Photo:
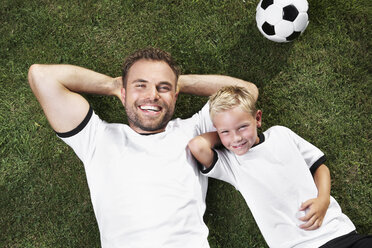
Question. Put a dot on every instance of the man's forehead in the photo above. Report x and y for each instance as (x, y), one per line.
(151, 68)
(151, 71)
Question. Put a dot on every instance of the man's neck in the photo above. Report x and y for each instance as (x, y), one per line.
(145, 132)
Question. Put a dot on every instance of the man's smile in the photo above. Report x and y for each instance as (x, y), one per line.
(150, 108)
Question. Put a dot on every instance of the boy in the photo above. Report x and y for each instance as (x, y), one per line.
(281, 176)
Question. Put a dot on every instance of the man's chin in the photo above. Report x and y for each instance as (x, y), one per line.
(148, 127)
(143, 123)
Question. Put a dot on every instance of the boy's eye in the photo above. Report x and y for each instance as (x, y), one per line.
(243, 127)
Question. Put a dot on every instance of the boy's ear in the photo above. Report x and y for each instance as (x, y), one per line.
(259, 118)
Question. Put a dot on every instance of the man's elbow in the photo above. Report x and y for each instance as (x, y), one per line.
(33, 73)
(253, 90)
(251, 87)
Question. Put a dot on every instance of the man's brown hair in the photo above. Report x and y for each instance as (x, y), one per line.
(149, 54)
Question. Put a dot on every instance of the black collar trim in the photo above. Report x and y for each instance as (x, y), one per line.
(261, 138)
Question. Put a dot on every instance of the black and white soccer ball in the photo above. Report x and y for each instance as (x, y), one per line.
(282, 20)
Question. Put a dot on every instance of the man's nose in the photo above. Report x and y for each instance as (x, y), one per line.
(153, 93)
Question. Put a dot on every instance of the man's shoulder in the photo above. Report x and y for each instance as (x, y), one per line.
(183, 123)
(105, 130)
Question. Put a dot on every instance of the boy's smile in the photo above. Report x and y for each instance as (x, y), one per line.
(237, 129)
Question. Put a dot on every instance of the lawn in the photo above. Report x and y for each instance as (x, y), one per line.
(319, 86)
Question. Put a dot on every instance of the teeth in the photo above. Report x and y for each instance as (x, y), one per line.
(151, 108)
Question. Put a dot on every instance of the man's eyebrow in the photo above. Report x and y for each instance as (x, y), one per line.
(167, 83)
(139, 81)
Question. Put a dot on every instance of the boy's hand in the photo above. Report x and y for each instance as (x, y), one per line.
(317, 209)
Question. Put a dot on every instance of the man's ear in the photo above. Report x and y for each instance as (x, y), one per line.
(259, 118)
(122, 98)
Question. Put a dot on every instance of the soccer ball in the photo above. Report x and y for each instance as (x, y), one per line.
(282, 20)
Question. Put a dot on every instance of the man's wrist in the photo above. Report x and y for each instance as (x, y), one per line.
(116, 86)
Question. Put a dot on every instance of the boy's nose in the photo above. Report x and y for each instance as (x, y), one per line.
(237, 137)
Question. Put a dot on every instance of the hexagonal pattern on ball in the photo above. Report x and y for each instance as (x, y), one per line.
(301, 22)
(265, 3)
(273, 14)
(290, 13)
(284, 28)
(282, 20)
(301, 5)
(282, 3)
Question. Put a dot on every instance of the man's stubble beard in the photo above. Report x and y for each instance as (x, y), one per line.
(149, 125)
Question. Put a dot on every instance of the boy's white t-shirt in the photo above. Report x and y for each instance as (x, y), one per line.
(146, 190)
(274, 178)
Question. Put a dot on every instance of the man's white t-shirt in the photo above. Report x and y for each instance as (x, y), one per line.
(274, 178)
(146, 190)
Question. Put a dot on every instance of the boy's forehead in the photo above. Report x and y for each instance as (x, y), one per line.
(231, 116)
(234, 111)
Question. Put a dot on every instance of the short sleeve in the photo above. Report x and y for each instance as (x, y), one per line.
(83, 138)
(204, 121)
(221, 168)
(312, 155)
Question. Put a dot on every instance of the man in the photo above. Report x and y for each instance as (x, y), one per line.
(145, 189)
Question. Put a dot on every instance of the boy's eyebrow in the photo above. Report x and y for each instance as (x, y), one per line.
(221, 130)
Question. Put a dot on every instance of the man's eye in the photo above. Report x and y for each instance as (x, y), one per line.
(140, 86)
(164, 88)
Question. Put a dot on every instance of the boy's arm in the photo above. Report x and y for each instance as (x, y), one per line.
(55, 88)
(206, 85)
(201, 147)
(318, 206)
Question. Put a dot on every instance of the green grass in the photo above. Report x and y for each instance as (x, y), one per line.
(320, 86)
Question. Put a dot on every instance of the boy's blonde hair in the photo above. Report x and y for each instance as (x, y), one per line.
(230, 97)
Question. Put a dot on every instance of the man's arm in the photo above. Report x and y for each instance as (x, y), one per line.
(201, 147)
(55, 88)
(318, 206)
(206, 85)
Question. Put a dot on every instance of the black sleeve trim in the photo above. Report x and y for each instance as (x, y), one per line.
(317, 163)
(201, 167)
(78, 128)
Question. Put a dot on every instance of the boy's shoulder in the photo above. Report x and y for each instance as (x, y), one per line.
(279, 134)
(278, 129)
